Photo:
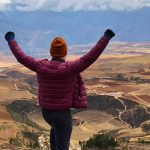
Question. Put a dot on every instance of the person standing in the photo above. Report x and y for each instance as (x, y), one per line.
(60, 84)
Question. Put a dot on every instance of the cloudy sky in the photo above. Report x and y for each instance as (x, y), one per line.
(73, 5)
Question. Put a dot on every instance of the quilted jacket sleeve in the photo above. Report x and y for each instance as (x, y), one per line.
(24, 59)
(85, 61)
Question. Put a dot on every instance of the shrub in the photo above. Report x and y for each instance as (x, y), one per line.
(143, 141)
(100, 140)
(146, 126)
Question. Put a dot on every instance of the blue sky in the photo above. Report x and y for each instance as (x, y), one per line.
(73, 5)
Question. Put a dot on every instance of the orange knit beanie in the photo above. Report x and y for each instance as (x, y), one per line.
(58, 48)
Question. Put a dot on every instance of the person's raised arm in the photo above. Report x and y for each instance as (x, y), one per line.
(85, 61)
(24, 59)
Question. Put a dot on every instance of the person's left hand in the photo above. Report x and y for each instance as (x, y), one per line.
(109, 33)
(9, 36)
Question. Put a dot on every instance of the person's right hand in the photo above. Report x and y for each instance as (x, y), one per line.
(9, 36)
(109, 34)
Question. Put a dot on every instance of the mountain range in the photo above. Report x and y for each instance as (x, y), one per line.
(34, 30)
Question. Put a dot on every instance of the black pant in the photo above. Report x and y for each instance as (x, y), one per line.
(61, 128)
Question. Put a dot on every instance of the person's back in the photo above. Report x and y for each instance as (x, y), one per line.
(60, 84)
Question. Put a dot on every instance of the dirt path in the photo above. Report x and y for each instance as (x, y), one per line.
(83, 128)
(120, 113)
(17, 89)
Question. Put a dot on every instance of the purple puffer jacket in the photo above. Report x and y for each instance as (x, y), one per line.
(60, 84)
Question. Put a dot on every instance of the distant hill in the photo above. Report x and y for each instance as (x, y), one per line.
(35, 30)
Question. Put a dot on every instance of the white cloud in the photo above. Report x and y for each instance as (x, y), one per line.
(5, 1)
(4, 4)
(73, 5)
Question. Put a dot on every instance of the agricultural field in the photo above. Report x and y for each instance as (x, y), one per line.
(117, 85)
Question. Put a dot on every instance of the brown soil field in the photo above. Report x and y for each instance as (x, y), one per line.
(4, 114)
(8, 127)
(146, 98)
